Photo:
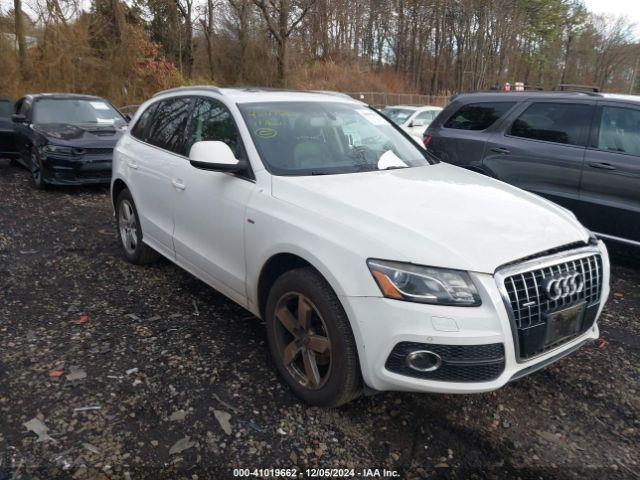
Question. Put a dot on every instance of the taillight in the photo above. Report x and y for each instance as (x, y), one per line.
(426, 139)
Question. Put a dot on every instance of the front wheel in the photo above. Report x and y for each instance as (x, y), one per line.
(130, 233)
(36, 174)
(310, 339)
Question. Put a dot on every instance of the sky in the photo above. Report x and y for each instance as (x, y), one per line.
(628, 8)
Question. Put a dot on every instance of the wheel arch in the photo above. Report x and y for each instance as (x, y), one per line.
(118, 186)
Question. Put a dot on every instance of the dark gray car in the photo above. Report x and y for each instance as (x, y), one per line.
(579, 150)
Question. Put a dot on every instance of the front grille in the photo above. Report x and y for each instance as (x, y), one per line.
(530, 303)
(98, 151)
(93, 174)
(460, 363)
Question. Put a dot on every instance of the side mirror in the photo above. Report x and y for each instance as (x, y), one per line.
(18, 118)
(418, 123)
(215, 156)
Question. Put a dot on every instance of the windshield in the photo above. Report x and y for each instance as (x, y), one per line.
(398, 115)
(6, 109)
(67, 110)
(312, 138)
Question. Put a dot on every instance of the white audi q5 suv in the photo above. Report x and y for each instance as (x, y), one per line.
(374, 265)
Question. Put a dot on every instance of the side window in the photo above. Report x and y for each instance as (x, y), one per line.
(423, 118)
(140, 129)
(167, 125)
(212, 121)
(478, 116)
(553, 122)
(619, 130)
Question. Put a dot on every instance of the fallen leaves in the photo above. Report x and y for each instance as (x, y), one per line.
(38, 427)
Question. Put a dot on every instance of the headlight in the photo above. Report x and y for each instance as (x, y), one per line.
(413, 283)
(57, 150)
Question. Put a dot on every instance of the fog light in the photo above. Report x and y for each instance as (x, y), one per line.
(423, 361)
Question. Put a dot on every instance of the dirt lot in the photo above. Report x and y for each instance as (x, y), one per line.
(157, 356)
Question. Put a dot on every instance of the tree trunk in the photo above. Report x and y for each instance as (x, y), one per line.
(22, 44)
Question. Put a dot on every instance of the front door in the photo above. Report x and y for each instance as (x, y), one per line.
(610, 189)
(541, 149)
(210, 207)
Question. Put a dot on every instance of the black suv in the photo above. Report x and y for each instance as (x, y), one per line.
(67, 139)
(580, 150)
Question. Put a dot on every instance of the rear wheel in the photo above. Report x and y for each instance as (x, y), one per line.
(130, 233)
(310, 339)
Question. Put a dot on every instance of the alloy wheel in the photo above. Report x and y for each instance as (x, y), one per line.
(128, 226)
(302, 340)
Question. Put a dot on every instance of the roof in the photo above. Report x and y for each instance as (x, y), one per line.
(506, 96)
(261, 94)
(64, 96)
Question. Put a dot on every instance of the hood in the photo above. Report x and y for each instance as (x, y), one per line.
(81, 134)
(437, 215)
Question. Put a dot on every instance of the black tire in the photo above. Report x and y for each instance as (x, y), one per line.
(342, 381)
(140, 253)
(36, 174)
(13, 162)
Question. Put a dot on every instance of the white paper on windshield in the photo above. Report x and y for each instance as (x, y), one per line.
(99, 105)
(106, 121)
(372, 116)
(390, 159)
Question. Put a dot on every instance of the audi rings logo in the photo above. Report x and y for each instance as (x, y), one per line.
(563, 285)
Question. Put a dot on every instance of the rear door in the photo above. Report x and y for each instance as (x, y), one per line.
(541, 148)
(151, 163)
(460, 132)
(610, 188)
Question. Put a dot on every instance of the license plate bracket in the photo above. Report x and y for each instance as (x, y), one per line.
(564, 323)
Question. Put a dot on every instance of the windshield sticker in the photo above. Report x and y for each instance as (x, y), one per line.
(267, 133)
(99, 105)
(372, 116)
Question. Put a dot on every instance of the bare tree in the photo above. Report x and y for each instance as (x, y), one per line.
(20, 37)
(282, 18)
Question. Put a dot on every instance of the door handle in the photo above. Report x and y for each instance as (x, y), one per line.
(602, 165)
(177, 183)
(500, 150)
(132, 164)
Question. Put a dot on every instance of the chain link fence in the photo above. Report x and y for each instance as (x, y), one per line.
(383, 99)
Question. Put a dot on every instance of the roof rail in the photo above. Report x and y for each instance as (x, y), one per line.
(209, 88)
(570, 87)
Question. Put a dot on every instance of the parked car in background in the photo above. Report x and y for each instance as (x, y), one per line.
(7, 138)
(67, 139)
(413, 120)
(581, 150)
(371, 263)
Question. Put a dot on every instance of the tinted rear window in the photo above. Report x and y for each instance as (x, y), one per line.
(478, 116)
(6, 109)
(553, 122)
(139, 130)
(167, 126)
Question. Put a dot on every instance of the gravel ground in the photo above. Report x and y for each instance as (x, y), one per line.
(128, 372)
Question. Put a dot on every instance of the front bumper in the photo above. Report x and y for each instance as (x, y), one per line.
(381, 324)
(77, 171)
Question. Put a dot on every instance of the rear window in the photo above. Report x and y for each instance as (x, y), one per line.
(478, 116)
(6, 109)
(553, 122)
